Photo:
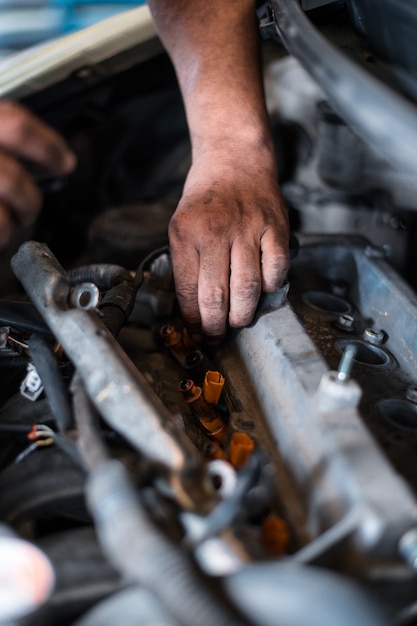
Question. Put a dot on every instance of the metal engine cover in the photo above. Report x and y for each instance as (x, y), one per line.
(348, 442)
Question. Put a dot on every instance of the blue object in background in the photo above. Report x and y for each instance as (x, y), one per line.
(28, 22)
(78, 15)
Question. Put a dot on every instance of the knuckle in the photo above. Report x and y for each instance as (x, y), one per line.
(245, 296)
(242, 315)
(214, 299)
(178, 228)
(9, 108)
(248, 291)
(279, 263)
(17, 122)
(174, 229)
(16, 179)
(187, 297)
(13, 179)
(276, 270)
(186, 292)
(239, 320)
(216, 226)
(17, 189)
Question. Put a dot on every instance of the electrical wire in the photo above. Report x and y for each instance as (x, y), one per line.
(10, 428)
(143, 266)
(44, 442)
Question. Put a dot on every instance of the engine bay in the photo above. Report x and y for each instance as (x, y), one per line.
(149, 479)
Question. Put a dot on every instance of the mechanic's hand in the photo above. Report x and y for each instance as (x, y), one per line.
(25, 138)
(229, 242)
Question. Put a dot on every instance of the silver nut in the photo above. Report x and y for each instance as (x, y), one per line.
(374, 337)
(345, 322)
(407, 547)
(411, 393)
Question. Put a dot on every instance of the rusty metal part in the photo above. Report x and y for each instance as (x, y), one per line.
(116, 388)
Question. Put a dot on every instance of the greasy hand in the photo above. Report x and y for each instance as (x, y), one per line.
(229, 242)
(25, 138)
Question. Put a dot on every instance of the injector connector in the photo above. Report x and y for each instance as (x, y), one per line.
(213, 387)
(241, 446)
(205, 412)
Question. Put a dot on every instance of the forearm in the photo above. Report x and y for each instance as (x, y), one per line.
(214, 48)
(228, 236)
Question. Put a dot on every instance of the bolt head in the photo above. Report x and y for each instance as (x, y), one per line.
(407, 547)
(345, 322)
(411, 393)
(374, 337)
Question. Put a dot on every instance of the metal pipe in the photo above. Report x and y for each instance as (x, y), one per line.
(116, 388)
(382, 118)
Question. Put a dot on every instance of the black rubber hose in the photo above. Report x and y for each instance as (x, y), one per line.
(20, 410)
(56, 391)
(103, 275)
(12, 428)
(113, 317)
(142, 553)
(23, 316)
(13, 361)
(118, 299)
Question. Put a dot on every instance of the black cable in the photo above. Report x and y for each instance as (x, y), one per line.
(139, 276)
(10, 428)
(15, 360)
(23, 316)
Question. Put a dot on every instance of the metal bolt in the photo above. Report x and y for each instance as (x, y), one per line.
(346, 364)
(407, 547)
(242, 422)
(373, 252)
(345, 322)
(85, 296)
(411, 393)
(374, 337)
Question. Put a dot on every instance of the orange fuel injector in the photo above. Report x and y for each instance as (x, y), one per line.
(180, 344)
(202, 407)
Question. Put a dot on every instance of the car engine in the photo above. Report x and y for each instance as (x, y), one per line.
(148, 479)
